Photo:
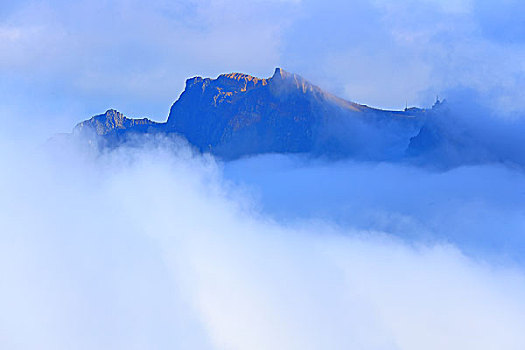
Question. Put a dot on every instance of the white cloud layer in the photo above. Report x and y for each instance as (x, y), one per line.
(142, 248)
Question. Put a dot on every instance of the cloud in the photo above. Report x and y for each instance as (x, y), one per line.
(384, 53)
(501, 23)
(476, 207)
(154, 247)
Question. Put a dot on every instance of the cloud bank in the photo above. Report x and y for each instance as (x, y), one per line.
(155, 248)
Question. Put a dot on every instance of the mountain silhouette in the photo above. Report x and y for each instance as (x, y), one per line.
(236, 115)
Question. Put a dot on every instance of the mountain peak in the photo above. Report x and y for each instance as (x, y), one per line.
(286, 79)
(280, 74)
(110, 121)
(113, 113)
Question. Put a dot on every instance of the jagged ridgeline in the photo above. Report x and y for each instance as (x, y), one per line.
(236, 115)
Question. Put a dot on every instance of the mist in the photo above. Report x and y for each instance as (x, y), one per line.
(160, 247)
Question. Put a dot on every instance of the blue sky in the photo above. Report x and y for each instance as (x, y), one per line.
(71, 60)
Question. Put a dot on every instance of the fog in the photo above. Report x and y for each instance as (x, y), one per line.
(479, 208)
(159, 247)
(462, 184)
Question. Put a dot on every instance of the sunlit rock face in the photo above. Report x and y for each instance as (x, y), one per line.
(237, 114)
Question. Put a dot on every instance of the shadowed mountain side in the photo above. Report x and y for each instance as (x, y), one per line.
(236, 115)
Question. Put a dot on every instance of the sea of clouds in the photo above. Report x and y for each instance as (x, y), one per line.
(158, 247)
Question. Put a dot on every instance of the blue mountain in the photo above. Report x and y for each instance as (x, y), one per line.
(236, 115)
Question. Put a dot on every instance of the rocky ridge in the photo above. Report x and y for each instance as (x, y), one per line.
(236, 115)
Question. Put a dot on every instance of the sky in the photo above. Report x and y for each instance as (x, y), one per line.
(72, 60)
(160, 247)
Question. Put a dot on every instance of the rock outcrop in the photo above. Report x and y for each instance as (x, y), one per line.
(112, 121)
